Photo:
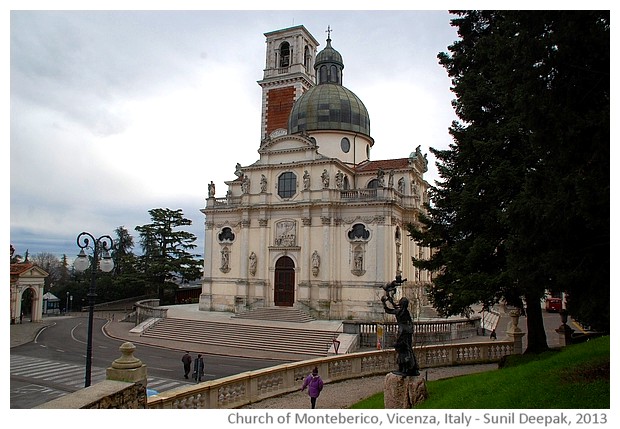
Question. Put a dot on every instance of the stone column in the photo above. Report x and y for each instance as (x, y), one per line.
(515, 333)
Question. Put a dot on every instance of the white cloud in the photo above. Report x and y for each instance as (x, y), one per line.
(115, 113)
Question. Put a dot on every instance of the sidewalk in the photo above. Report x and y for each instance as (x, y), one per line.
(22, 333)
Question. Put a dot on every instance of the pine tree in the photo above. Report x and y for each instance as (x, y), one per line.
(522, 204)
(166, 260)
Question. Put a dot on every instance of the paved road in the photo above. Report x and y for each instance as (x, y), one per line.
(48, 361)
(35, 380)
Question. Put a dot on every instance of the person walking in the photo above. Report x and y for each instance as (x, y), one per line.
(187, 363)
(314, 383)
(199, 368)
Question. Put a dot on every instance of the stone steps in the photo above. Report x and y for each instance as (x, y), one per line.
(277, 340)
(281, 314)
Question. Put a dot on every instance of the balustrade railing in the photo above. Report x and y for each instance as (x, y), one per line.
(253, 386)
(425, 332)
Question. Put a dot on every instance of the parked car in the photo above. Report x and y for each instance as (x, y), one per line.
(553, 305)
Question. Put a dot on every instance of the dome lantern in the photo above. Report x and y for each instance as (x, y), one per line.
(329, 105)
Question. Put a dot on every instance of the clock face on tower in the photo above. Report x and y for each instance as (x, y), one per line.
(345, 145)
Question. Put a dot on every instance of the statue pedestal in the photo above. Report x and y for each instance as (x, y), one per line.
(403, 392)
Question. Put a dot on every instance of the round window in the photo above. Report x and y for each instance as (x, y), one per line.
(345, 145)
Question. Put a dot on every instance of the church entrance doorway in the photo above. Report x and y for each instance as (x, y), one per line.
(284, 291)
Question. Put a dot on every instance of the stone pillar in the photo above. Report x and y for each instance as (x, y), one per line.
(565, 332)
(403, 392)
(515, 333)
(127, 367)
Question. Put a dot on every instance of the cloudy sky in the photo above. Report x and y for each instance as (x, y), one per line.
(113, 113)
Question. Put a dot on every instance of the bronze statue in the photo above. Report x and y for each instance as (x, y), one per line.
(407, 363)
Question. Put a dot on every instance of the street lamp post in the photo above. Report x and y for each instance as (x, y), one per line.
(105, 264)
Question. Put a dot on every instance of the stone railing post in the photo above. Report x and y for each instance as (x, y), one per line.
(127, 367)
(565, 332)
(515, 333)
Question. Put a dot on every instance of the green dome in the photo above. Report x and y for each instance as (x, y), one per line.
(329, 106)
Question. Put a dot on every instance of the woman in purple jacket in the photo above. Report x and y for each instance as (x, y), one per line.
(314, 384)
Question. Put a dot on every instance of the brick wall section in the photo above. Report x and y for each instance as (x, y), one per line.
(279, 104)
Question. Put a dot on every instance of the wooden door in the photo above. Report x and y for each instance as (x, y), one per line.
(284, 282)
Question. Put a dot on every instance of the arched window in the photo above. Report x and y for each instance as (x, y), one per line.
(307, 59)
(285, 54)
(333, 74)
(373, 184)
(287, 185)
(323, 74)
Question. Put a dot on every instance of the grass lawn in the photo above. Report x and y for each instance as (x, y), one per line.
(573, 377)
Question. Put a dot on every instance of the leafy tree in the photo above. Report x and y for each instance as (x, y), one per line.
(522, 206)
(165, 259)
(52, 265)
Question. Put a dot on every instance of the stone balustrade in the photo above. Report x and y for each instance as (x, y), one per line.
(253, 386)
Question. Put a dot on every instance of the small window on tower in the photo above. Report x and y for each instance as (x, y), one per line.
(307, 58)
(285, 54)
(323, 74)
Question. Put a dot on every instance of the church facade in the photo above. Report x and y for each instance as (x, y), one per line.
(314, 223)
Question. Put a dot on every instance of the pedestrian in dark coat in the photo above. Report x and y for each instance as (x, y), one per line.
(187, 363)
(314, 383)
(199, 368)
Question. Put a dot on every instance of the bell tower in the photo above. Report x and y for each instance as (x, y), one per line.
(289, 72)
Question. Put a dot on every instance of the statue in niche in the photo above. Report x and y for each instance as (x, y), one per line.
(358, 261)
(211, 189)
(401, 185)
(263, 183)
(245, 185)
(325, 178)
(253, 263)
(225, 267)
(407, 363)
(306, 180)
(316, 262)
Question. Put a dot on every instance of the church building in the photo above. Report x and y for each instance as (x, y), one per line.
(314, 223)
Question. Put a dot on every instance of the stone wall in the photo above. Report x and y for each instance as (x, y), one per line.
(107, 394)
